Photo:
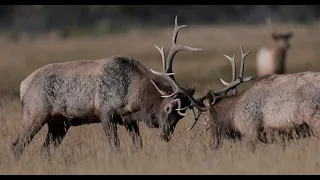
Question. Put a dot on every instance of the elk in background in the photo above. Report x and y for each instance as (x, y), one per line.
(272, 59)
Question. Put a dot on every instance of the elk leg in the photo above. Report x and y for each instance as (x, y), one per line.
(284, 139)
(263, 137)
(32, 123)
(57, 130)
(251, 140)
(304, 130)
(268, 136)
(271, 136)
(315, 132)
(110, 128)
(215, 142)
(134, 132)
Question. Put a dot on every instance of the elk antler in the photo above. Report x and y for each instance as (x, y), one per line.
(232, 85)
(167, 65)
(223, 92)
(164, 66)
(233, 64)
(174, 49)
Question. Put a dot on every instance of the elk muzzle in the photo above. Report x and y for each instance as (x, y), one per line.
(166, 133)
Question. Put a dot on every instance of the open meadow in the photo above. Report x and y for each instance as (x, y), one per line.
(85, 149)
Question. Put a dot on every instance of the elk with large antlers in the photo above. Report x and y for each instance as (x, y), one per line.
(115, 90)
(274, 102)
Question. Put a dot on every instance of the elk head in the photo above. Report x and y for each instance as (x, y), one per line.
(170, 111)
(282, 40)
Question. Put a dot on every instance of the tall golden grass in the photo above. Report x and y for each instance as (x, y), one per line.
(85, 149)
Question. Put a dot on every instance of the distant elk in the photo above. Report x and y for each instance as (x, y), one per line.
(275, 102)
(271, 60)
(115, 90)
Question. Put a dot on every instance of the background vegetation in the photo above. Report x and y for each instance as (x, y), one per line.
(101, 19)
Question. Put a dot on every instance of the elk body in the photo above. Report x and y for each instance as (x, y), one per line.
(271, 60)
(274, 102)
(115, 90)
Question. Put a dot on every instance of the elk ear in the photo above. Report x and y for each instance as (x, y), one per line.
(191, 91)
(206, 102)
(156, 85)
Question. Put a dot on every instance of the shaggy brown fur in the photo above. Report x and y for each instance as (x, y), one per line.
(115, 90)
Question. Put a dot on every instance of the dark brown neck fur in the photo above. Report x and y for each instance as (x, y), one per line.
(279, 58)
(150, 99)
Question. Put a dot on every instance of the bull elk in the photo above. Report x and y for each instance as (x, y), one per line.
(271, 60)
(274, 102)
(115, 90)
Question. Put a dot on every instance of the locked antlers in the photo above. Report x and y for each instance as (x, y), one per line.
(222, 93)
(198, 103)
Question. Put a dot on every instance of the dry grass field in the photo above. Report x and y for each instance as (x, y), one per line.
(85, 149)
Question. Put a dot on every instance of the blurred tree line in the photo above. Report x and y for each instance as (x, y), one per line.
(68, 19)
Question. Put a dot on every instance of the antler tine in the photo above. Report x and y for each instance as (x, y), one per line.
(176, 30)
(234, 71)
(162, 57)
(159, 90)
(177, 89)
(233, 64)
(196, 120)
(160, 73)
(196, 116)
(243, 58)
(163, 65)
(175, 47)
(179, 108)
